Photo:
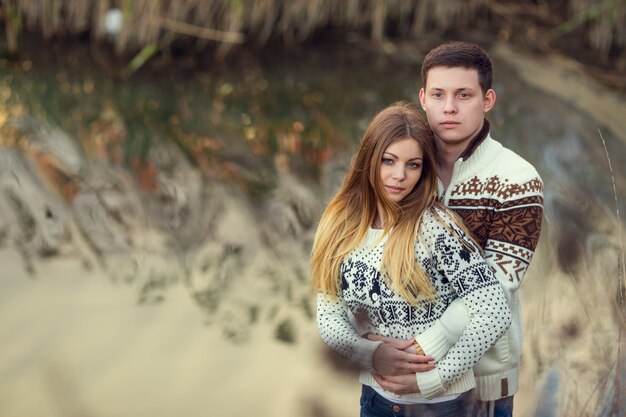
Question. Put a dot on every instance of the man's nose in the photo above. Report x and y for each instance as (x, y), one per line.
(449, 105)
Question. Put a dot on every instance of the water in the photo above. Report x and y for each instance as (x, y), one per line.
(180, 205)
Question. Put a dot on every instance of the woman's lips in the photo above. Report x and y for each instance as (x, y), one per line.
(394, 189)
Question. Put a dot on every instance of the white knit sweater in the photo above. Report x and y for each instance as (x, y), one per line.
(368, 305)
(500, 197)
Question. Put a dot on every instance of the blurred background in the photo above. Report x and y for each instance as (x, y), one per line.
(163, 165)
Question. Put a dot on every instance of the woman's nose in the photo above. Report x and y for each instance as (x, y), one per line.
(398, 174)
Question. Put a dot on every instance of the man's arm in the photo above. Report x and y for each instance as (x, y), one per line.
(512, 237)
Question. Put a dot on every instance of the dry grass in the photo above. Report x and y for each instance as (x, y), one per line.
(604, 21)
(230, 22)
(147, 21)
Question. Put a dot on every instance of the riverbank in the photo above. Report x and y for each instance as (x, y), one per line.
(194, 298)
(567, 79)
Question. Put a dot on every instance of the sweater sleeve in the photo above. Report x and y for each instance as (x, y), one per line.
(339, 334)
(444, 333)
(474, 283)
(513, 234)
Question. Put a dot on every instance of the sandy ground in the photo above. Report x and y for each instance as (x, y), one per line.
(76, 344)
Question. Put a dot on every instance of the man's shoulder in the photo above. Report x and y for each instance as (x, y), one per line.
(498, 174)
(509, 165)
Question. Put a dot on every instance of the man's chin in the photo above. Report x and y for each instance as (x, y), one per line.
(449, 139)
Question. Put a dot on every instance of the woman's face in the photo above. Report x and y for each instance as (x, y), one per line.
(401, 168)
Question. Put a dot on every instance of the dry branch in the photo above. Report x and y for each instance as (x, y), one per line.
(202, 32)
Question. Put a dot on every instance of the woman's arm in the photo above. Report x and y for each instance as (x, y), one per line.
(472, 281)
(445, 332)
(339, 333)
(510, 270)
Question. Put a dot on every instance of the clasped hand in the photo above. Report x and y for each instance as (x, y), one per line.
(396, 363)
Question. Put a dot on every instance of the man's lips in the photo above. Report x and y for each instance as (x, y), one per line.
(449, 123)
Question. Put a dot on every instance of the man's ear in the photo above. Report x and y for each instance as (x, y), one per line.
(489, 100)
(422, 99)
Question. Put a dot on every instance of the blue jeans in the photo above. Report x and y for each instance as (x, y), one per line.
(498, 408)
(375, 405)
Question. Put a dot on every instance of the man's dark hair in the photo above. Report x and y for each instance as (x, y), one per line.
(460, 54)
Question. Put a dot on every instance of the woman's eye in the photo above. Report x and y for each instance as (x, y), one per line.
(414, 165)
(387, 161)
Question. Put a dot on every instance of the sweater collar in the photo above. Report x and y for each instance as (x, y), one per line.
(374, 237)
(478, 139)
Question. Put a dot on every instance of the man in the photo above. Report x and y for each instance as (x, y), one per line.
(498, 194)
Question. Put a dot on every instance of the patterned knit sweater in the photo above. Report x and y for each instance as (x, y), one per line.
(367, 304)
(500, 198)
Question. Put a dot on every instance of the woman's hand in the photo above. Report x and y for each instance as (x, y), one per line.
(401, 384)
(393, 357)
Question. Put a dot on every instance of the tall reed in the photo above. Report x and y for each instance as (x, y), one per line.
(613, 404)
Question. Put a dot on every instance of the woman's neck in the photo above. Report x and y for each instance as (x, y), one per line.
(379, 222)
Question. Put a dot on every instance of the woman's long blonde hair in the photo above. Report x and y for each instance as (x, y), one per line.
(345, 222)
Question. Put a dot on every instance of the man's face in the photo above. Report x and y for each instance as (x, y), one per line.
(455, 105)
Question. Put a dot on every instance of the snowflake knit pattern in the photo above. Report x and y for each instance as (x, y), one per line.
(368, 305)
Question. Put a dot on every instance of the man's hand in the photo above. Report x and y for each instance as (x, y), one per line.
(394, 357)
(397, 343)
(401, 384)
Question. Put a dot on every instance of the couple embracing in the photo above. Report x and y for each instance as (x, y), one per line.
(418, 258)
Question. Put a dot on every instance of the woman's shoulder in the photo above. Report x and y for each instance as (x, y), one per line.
(439, 222)
(438, 216)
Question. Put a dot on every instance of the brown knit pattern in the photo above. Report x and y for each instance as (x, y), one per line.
(520, 226)
(511, 261)
(496, 187)
(509, 230)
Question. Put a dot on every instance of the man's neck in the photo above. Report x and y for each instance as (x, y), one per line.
(446, 157)
(448, 154)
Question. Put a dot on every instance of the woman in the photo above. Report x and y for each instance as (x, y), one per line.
(388, 260)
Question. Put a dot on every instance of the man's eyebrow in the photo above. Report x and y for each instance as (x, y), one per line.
(456, 89)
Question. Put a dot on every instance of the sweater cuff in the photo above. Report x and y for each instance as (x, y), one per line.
(429, 383)
(434, 341)
(445, 332)
(363, 353)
